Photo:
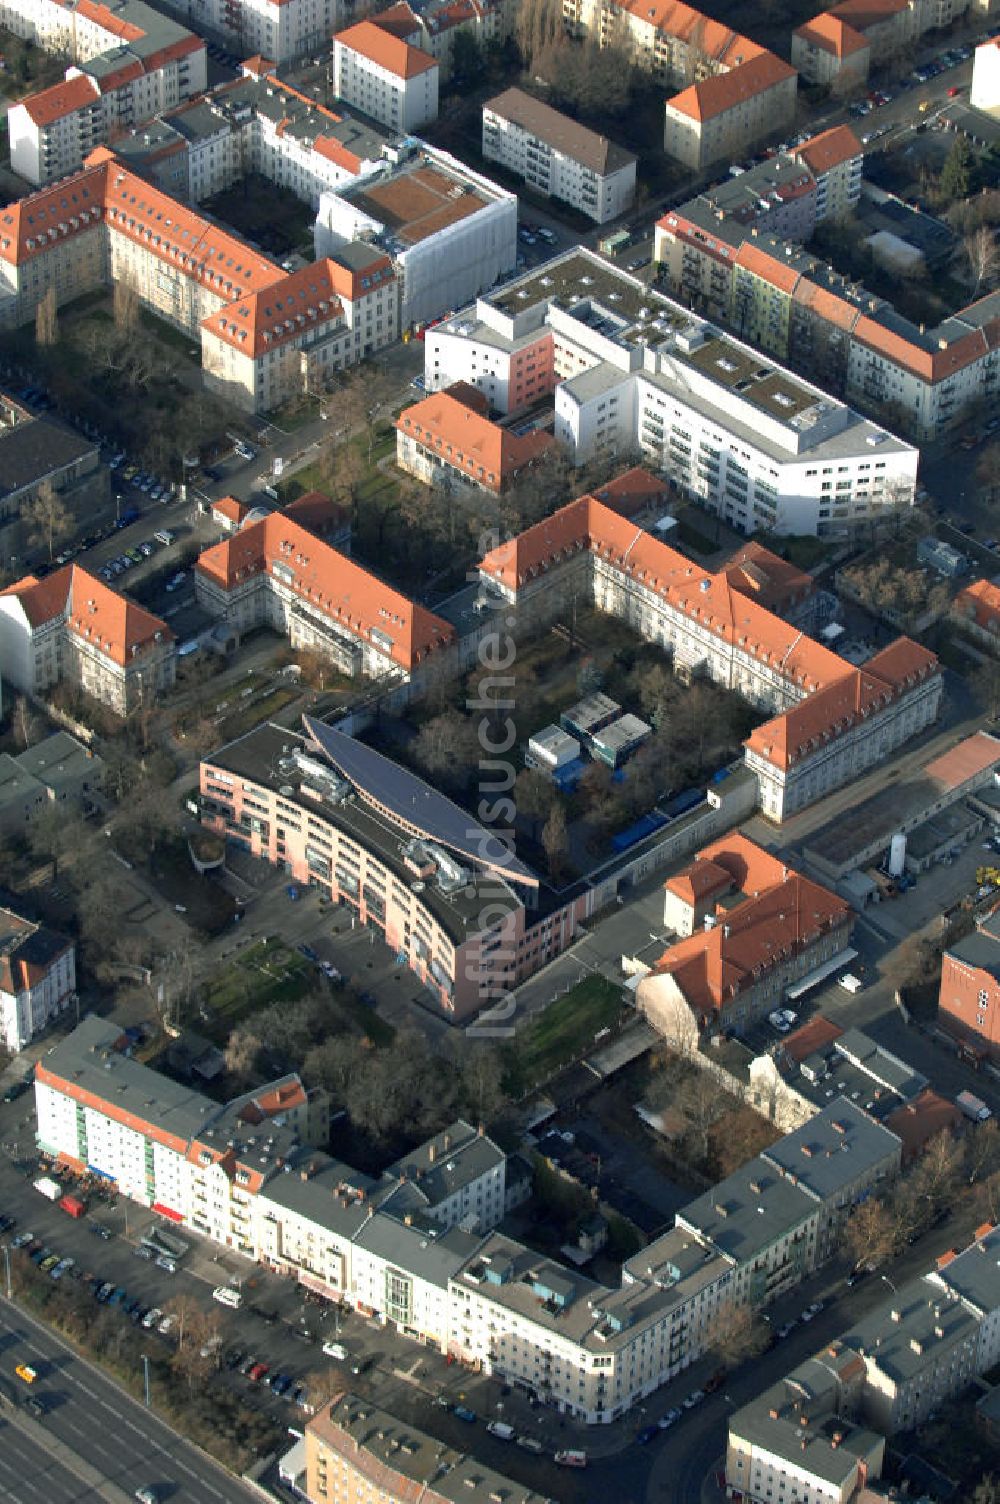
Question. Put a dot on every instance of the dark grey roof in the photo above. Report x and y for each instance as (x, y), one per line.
(325, 1191)
(89, 1060)
(975, 1273)
(795, 1420)
(416, 805)
(835, 1149)
(453, 1158)
(978, 949)
(901, 1335)
(433, 1257)
(30, 451)
(887, 1069)
(748, 1211)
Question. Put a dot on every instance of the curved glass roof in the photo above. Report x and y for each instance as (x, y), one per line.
(415, 803)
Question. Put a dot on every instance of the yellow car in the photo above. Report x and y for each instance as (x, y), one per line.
(27, 1374)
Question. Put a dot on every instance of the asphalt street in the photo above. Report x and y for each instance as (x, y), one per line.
(103, 1425)
(28, 1472)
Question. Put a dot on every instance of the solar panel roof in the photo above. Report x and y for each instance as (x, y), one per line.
(412, 802)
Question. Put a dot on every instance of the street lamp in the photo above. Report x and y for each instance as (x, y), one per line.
(6, 1259)
(887, 1281)
(145, 1376)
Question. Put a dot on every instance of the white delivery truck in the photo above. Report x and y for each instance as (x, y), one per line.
(50, 1189)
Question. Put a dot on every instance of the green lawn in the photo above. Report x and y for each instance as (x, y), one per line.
(263, 974)
(257, 712)
(564, 1032)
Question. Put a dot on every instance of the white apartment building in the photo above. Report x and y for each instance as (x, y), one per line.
(451, 233)
(974, 1276)
(557, 156)
(385, 77)
(631, 371)
(794, 1441)
(259, 123)
(281, 30)
(51, 132)
(128, 63)
(37, 978)
(243, 1176)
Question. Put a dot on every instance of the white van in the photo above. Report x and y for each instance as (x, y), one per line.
(335, 1350)
(227, 1296)
(850, 982)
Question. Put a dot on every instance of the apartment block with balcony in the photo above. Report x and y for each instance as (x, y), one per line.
(128, 63)
(557, 156)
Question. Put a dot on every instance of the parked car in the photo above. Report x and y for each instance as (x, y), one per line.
(671, 1418)
(694, 1398)
(464, 1413)
(646, 1435)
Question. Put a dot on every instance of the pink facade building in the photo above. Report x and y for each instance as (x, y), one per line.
(445, 893)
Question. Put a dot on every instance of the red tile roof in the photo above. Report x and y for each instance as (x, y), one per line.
(706, 598)
(917, 1122)
(829, 149)
(50, 105)
(783, 914)
(385, 49)
(698, 881)
(979, 602)
(861, 14)
(491, 456)
(771, 269)
(331, 583)
(727, 91)
(815, 1035)
(293, 305)
(92, 611)
(832, 34)
(231, 508)
(835, 694)
(772, 581)
(635, 491)
(976, 754)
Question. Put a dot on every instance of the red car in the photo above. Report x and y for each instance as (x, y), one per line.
(953, 91)
(257, 1372)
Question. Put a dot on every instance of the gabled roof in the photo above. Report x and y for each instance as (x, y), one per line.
(707, 598)
(382, 47)
(490, 455)
(92, 611)
(329, 583)
(832, 34)
(782, 914)
(765, 577)
(231, 508)
(727, 91)
(770, 269)
(829, 149)
(561, 132)
(979, 602)
(62, 99)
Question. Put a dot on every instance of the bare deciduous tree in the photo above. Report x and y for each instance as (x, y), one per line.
(736, 1334)
(47, 517)
(982, 253)
(555, 842)
(126, 307)
(47, 320)
(871, 1234)
(25, 721)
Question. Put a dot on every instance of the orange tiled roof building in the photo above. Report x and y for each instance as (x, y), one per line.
(733, 91)
(275, 572)
(750, 926)
(265, 333)
(830, 721)
(73, 626)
